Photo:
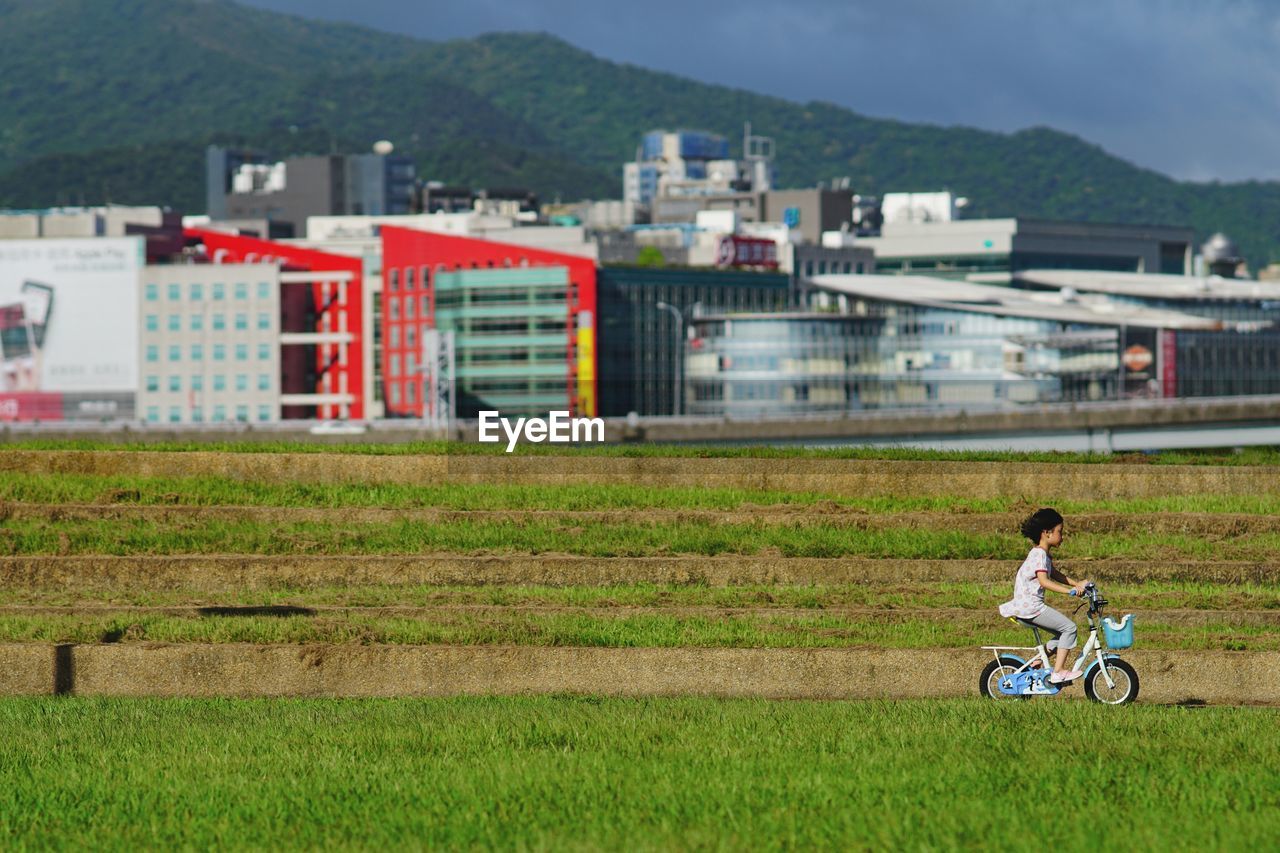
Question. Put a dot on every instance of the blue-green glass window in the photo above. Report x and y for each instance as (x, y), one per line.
(197, 382)
(197, 291)
(153, 352)
(175, 292)
(264, 381)
(242, 413)
(219, 352)
(175, 414)
(242, 352)
(219, 382)
(197, 414)
(242, 290)
(175, 322)
(197, 352)
(175, 382)
(219, 291)
(264, 352)
(153, 383)
(264, 412)
(264, 290)
(153, 292)
(153, 322)
(242, 382)
(197, 322)
(264, 321)
(175, 352)
(153, 414)
(219, 413)
(242, 322)
(219, 322)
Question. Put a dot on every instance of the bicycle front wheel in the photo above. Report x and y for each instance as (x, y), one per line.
(1125, 678)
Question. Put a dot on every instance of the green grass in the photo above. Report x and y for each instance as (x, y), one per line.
(984, 597)
(594, 539)
(1243, 456)
(218, 491)
(623, 630)
(544, 773)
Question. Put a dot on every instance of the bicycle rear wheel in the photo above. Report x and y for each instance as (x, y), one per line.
(1125, 678)
(989, 681)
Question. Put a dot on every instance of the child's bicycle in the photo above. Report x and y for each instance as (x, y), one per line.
(1106, 678)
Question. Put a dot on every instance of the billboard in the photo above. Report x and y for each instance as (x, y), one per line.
(69, 316)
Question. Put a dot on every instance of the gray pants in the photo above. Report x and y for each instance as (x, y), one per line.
(1062, 628)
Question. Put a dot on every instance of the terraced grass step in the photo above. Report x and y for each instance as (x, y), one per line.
(1045, 481)
(232, 572)
(1215, 525)
(608, 627)
(136, 669)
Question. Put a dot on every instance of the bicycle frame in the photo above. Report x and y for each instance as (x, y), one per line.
(1092, 647)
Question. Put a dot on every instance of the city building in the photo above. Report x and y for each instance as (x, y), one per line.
(319, 323)
(645, 314)
(523, 323)
(242, 186)
(209, 343)
(956, 248)
(874, 341)
(692, 164)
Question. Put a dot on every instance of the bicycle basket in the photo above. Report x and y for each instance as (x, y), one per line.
(1119, 634)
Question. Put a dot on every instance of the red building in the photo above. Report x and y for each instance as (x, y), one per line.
(322, 371)
(412, 259)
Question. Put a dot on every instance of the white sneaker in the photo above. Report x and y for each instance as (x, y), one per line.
(1061, 677)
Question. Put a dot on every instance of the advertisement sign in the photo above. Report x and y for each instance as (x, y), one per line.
(735, 251)
(69, 315)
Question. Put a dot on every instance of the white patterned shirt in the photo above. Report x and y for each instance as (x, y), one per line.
(1028, 595)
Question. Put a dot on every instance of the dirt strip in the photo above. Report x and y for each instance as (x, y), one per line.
(220, 573)
(824, 514)
(1035, 482)
(1182, 617)
(138, 669)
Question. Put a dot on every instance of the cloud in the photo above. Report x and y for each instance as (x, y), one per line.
(1189, 89)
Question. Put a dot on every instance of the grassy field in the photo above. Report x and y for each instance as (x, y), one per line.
(220, 491)
(1241, 456)
(582, 773)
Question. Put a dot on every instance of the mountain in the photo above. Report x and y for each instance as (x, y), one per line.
(116, 99)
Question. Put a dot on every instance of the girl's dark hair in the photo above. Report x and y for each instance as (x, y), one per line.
(1040, 521)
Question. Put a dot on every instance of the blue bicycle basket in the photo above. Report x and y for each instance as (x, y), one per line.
(1119, 634)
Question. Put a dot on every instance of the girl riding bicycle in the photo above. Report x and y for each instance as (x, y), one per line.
(1035, 575)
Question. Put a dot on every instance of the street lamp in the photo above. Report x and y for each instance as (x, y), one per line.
(678, 382)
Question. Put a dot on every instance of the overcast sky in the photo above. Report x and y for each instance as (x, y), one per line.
(1188, 88)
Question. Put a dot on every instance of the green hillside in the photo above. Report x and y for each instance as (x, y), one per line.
(115, 100)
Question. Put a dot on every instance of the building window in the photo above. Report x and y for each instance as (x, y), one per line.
(197, 322)
(393, 337)
(408, 278)
(197, 352)
(264, 321)
(264, 381)
(426, 306)
(175, 322)
(153, 292)
(242, 322)
(219, 414)
(175, 382)
(153, 383)
(153, 414)
(219, 382)
(395, 309)
(197, 382)
(394, 366)
(197, 414)
(175, 292)
(175, 352)
(264, 352)
(264, 290)
(242, 290)
(242, 413)
(242, 352)
(219, 352)
(411, 392)
(411, 336)
(219, 291)
(197, 292)
(393, 393)
(153, 323)
(242, 382)
(410, 364)
(175, 414)
(264, 412)
(219, 322)
(393, 280)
